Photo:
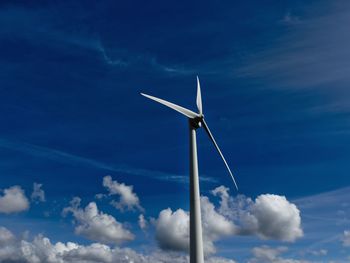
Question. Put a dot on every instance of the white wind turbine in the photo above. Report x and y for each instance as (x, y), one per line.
(196, 120)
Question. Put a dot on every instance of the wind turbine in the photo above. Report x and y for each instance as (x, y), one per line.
(195, 121)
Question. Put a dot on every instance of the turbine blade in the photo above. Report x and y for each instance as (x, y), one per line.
(218, 149)
(190, 114)
(199, 98)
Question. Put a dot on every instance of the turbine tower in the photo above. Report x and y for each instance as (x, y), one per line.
(195, 121)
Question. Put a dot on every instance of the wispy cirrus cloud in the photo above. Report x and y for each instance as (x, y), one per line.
(115, 56)
(311, 53)
(329, 211)
(64, 157)
(27, 24)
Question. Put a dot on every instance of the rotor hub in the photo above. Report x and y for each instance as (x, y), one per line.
(196, 122)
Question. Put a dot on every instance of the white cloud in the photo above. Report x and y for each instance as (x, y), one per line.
(222, 192)
(97, 226)
(100, 196)
(215, 226)
(41, 250)
(269, 216)
(93, 253)
(38, 194)
(219, 260)
(5, 236)
(267, 254)
(128, 199)
(275, 218)
(321, 252)
(13, 200)
(172, 228)
(346, 238)
(142, 222)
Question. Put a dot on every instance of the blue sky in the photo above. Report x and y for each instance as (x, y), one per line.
(274, 78)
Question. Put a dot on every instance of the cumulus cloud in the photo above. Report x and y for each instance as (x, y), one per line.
(267, 254)
(38, 194)
(274, 217)
(42, 250)
(268, 216)
(172, 228)
(13, 200)
(127, 198)
(215, 225)
(96, 225)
